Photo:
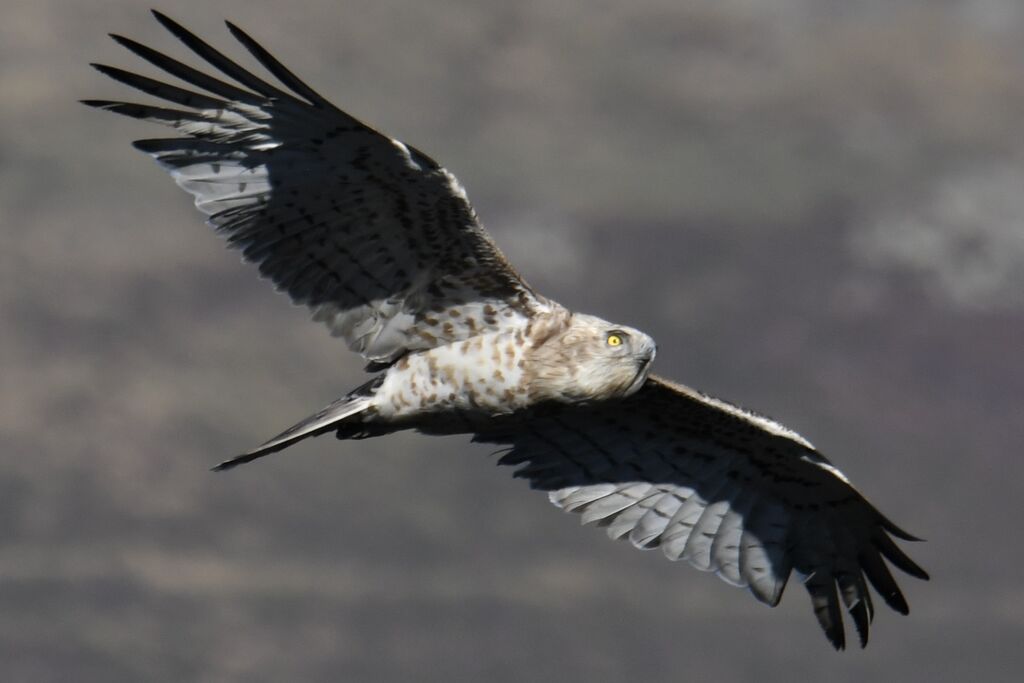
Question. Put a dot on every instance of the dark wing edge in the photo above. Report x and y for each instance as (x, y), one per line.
(729, 491)
(375, 237)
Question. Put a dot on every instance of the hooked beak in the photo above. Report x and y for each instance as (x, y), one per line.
(643, 366)
(645, 360)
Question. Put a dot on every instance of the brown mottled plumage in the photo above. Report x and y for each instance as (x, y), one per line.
(382, 244)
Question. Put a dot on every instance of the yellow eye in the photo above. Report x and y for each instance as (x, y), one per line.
(614, 340)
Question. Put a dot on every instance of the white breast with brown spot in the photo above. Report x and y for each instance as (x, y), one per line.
(484, 373)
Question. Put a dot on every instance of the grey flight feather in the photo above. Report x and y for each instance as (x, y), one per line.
(372, 235)
(672, 469)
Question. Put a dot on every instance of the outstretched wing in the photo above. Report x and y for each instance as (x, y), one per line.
(726, 490)
(373, 235)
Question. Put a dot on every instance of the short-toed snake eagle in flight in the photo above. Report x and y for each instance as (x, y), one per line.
(382, 244)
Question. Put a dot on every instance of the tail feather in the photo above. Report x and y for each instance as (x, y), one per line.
(326, 420)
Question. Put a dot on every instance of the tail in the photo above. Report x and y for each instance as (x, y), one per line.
(328, 419)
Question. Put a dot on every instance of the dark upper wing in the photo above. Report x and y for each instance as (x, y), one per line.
(373, 235)
(729, 491)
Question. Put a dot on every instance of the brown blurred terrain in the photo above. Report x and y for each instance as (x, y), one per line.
(815, 207)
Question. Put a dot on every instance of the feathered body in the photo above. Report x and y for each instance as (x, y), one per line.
(555, 356)
(381, 243)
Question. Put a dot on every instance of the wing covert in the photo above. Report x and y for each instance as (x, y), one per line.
(374, 236)
(726, 490)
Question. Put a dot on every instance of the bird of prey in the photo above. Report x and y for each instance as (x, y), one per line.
(381, 243)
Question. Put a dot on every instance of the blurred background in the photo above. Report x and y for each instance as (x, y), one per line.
(815, 206)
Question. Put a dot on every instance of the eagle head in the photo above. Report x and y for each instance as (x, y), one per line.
(590, 359)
